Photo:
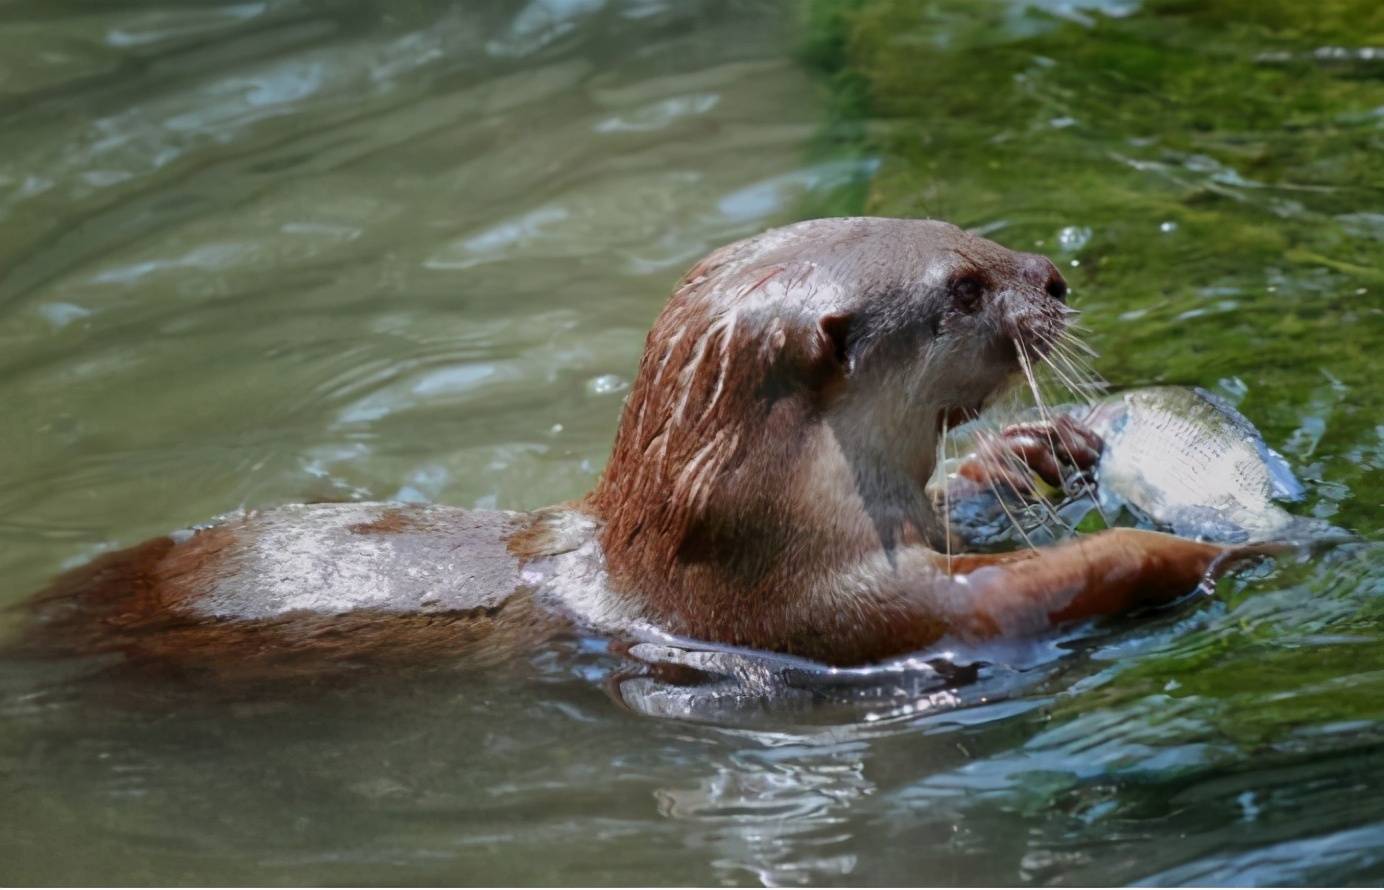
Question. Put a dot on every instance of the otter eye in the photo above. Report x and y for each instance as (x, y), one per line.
(967, 293)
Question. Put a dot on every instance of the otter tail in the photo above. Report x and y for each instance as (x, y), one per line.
(90, 609)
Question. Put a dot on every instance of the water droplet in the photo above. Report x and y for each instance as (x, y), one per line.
(1073, 237)
(1233, 387)
(606, 384)
(1167, 226)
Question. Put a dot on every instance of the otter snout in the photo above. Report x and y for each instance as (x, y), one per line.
(1034, 306)
(1040, 272)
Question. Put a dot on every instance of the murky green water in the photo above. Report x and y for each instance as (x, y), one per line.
(272, 251)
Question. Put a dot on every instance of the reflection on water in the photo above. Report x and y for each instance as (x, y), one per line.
(777, 814)
(259, 252)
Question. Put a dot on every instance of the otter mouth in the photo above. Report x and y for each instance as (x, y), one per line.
(1036, 348)
(957, 416)
(953, 417)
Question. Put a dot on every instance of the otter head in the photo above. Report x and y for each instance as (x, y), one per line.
(787, 408)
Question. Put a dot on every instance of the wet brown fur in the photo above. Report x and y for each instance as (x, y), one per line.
(133, 603)
(391, 522)
(685, 488)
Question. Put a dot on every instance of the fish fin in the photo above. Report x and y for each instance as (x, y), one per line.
(1207, 524)
(1306, 531)
(1285, 486)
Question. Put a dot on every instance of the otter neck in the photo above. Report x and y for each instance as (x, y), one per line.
(870, 479)
(799, 505)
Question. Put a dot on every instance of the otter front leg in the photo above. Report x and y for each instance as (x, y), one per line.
(1010, 594)
(888, 606)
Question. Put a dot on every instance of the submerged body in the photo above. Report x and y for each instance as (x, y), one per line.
(766, 490)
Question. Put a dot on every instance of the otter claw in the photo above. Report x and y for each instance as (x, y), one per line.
(1049, 450)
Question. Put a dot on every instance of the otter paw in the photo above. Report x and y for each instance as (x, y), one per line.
(1056, 452)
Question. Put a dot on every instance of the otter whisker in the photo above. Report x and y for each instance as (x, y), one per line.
(1079, 376)
(1015, 523)
(1077, 386)
(1082, 385)
(1087, 386)
(1073, 344)
(1027, 366)
(1075, 341)
(1086, 486)
(1070, 347)
(1038, 508)
(946, 496)
(1069, 380)
(1070, 314)
(993, 451)
(1083, 381)
(1057, 434)
(988, 449)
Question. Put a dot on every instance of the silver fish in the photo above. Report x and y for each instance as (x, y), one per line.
(1190, 463)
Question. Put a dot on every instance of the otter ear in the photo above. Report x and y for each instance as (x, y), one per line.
(834, 336)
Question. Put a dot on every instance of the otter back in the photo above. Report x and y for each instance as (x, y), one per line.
(321, 579)
(334, 558)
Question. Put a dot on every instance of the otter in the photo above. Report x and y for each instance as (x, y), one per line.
(768, 488)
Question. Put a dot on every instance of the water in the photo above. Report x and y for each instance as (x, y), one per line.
(271, 251)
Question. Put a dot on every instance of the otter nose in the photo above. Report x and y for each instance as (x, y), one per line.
(1040, 272)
